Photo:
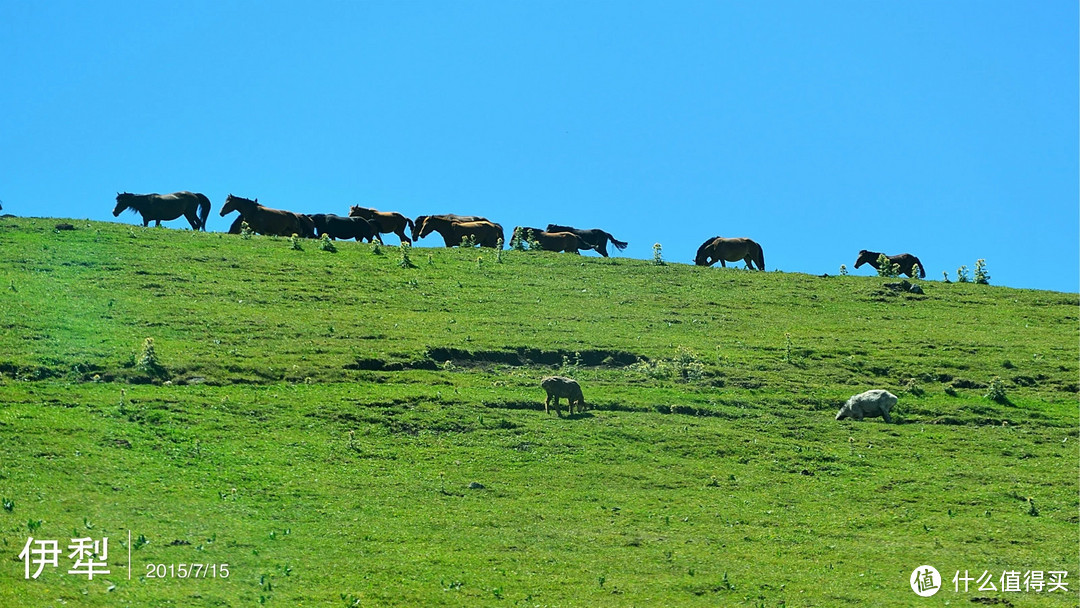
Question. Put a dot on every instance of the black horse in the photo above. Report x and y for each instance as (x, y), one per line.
(905, 261)
(449, 217)
(595, 238)
(163, 207)
(344, 227)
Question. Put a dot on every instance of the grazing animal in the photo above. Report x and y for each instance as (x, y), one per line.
(483, 233)
(164, 207)
(719, 249)
(384, 221)
(595, 238)
(450, 217)
(552, 241)
(264, 220)
(871, 404)
(344, 227)
(561, 386)
(905, 261)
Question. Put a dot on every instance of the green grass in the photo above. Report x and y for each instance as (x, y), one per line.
(344, 431)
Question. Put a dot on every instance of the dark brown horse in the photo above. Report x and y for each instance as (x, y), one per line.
(164, 207)
(485, 234)
(595, 238)
(338, 227)
(273, 222)
(385, 221)
(905, 261)
(552, 241)
(450, 217)
(719, 249)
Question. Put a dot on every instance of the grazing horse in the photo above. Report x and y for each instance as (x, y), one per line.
(552, 241)
(485, 234)
(163, 207)
(719, 249)
(264, 220)
(344, 227)
(595, 238)
(905, 261)
(450, 217)
(384, 221)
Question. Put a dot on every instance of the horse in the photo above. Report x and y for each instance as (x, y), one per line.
(485, 234)
(444, 216)
(719, 249)
(384, 221)
(595, 238)
(552, 241)
(164, 207)
(264, 220)
(905, 261)
(344, 227)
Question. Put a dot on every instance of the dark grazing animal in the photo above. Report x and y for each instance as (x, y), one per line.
(552, 241)
(164, 207)
(905, 261)
(719, 249)
(483, 233)
(264, 220)
(419, 221)
(561, 386)
(384, 221)
(338, 227)
(595, 238)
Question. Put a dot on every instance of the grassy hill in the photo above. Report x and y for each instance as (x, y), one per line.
(345, 431)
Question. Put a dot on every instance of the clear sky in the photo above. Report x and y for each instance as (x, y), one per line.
(948, 129)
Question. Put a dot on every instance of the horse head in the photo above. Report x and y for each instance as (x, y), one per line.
(702, 257)
(867, 257)
(238, 203)
(123, 201)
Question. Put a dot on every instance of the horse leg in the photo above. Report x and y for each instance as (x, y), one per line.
(192, 219)
(602, 248)
(400, 232)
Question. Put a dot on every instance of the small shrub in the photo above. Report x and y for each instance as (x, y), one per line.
(516, 242)
(843, 270)
(886, 269)
(916, 271)
(148, 362)
(498, 250)
(912, 388)
(376, 247)
(468, 241)
(326, 244)
(997, 391)
(945, 276)
(294, 243)
(981, 276)
(245, 230)
(405, 261)
(962, 275)
(658, 255)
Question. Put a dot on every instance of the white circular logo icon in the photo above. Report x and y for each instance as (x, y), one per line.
(925, 581)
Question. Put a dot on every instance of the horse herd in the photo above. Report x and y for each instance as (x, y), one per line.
(366, 224)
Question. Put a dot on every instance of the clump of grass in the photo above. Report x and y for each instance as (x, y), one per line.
(245, 230)
(376, 247)
(294, 242)
(326, 244)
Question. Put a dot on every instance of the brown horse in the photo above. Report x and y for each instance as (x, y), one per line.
(905, 261)
(552, 241)
(485, 234)
(164, 207)
(264, 220)
(719, 249)
(594, 237)
(384, 221)
(450, 217)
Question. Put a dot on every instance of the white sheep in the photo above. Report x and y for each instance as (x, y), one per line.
(871, 404)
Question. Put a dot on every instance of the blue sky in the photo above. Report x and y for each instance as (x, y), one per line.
(945, 129)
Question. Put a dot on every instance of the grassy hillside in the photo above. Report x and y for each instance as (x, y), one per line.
(344, 431)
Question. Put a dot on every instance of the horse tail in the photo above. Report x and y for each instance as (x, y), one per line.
(760, 256)
(204, 210)
(620, 245)
(409, 223)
